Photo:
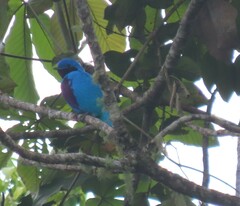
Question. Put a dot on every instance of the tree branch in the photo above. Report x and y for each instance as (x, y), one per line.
(182, 120)
(50, 134)
(55, 114)
(150, 37)
(123, 137)
(205, 146)
(140, 163)
(210, 132)
(69, 158)
(64, 167)
(173, 54)
(183, 186)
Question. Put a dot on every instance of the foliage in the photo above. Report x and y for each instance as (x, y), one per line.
(122, 28)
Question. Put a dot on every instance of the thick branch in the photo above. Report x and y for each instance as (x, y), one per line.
(64, 167)
(70, 158)
(55, 114)
(143, 165)
(50, 134)
(183, 186)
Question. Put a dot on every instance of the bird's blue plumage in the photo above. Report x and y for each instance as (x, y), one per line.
(79, 90)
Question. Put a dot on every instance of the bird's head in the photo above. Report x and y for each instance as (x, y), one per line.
(68, 65)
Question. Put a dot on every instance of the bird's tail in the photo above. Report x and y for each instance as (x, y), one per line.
(105, 117)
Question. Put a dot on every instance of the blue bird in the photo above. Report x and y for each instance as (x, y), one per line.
(79, 90)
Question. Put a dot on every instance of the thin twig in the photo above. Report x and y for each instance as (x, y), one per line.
(210, 132)
(70, 188)
(197, 170)
(205, 145)
(184, 119)
(151, 36)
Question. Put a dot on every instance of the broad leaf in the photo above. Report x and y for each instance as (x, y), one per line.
(36, 7)
(219, 73)
(43, 44)
(4, 157)
(7, 85)
(30, 176)
(115, 41)
(19, 43)
(160, 4)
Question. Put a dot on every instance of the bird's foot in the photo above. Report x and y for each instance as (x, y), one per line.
(82, 116)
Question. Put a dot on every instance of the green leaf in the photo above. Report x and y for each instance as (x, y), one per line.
(97, 201)
(195, 96)
(123, 13)
(19, 191)
(60, 30)
(59, 43)
(162, 192)
(140, 199)
(43, 44)
(178, 200)
(118, 63)
(145, 184)
(194, 50)
(236, 75)
(106, 187)
(5, 18)
(138, 25)
(189, 136)
(7, 9)
(29, 176)
(209, 71)
(146, 68)
(148, 65)
(14, 5)
(225, 82)
(236, 4)
(115, 41)
(19, 43)
(178, 12)
(153, 19)
(75, 23)
(189, 95)
(219, 73)
(167, 32)
(160, 4)
(38, 6)
(52, 124)
(4, 157)
(187, 69)
(7, 85)
(8, 171)
(54, 102)
(52, 182)
(26, 201)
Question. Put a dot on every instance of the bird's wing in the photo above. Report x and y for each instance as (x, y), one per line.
(68, 94)
(87, 94)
